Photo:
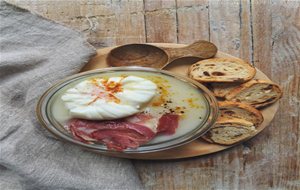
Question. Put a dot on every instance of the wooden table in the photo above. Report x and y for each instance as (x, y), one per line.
(265, 33)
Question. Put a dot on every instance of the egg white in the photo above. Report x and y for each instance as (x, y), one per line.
(83, 100)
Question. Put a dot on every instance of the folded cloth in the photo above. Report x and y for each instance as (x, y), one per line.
(36, 53)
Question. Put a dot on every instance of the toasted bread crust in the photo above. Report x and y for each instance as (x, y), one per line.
(216, 73)
(221, 89)
(256, 116)
(230, 123)
(232, 95)
(224, 120)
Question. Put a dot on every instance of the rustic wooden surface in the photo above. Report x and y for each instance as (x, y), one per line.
(265, 33)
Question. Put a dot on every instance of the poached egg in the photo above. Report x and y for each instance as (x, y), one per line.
(112, 98)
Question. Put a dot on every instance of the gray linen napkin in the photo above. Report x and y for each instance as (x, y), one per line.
(35, 53)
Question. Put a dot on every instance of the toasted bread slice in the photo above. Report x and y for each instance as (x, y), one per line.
(222, 70)
(258, 93)
(221, 89)
(239, 110)
(230, 131)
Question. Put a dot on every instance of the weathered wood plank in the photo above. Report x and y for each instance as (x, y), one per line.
(160, 21)
(276, 37)
(246, 44)
(230, 27)
(192, 21)
(262, 33)
(104, 23)
(225, 26)
(152, 5)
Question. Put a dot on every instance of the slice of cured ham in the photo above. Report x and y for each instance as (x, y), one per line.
(125, 133)
(167, 124)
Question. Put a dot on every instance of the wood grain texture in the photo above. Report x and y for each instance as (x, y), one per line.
(265, 33)
(192, 20)
(277, 52)
(261, 17)
(160, 21)
(103, 23)
(225, 25)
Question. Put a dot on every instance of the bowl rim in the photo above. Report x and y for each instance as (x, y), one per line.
(41, 111)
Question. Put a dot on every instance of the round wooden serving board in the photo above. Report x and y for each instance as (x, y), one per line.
(195, 148)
